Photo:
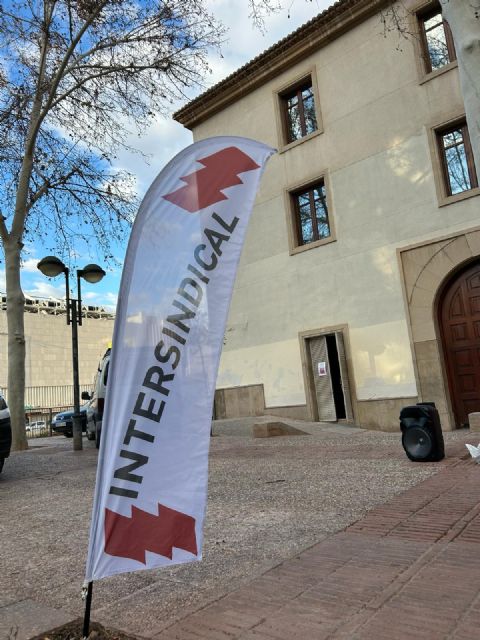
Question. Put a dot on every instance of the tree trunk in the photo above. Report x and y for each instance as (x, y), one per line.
(16, 345)
(465, 26)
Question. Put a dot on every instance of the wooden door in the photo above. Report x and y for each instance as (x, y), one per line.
(459, 316)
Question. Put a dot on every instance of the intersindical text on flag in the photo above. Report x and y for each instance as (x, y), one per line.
(173, 303)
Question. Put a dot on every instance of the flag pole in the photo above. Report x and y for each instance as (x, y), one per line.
(87, 596)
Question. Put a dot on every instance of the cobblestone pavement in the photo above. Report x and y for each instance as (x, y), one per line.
(373, 524)
(410, 569)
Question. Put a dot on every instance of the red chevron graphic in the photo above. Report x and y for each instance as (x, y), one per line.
(132, 537)
(204, 187)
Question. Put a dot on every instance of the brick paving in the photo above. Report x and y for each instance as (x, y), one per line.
(410, 569)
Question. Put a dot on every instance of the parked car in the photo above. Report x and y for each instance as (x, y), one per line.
(63, 422)
(5, 432)
(97, 400)
(36, 428)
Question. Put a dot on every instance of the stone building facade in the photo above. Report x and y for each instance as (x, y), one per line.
(49, 349)
(358, 290)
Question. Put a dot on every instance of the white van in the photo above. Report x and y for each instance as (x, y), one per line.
(94, 428)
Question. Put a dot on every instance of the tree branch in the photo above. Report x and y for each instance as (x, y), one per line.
(61, 69)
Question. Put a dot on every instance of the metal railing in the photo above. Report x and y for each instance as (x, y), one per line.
(42, 403)
(48, 396)
(57, 306)
(38, 422)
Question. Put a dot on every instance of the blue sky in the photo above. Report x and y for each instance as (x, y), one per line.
(166, 138)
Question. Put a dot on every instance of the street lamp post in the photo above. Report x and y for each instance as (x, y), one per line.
(53, 267)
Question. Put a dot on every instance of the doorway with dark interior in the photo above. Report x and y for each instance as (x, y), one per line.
(329, 375)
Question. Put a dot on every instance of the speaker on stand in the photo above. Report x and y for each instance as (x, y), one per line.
(422, 437)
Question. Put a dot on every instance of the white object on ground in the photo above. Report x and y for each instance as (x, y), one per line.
(474, 452)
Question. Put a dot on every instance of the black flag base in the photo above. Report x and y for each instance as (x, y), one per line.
(87, 596)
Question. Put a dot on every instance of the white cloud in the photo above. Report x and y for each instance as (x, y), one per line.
(244, 42)
(30, 265)
(43, 289)
(90, 296)
(105, 299)
(109, 301)
(165, 138)
(111, 297)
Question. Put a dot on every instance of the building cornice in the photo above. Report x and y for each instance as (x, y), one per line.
(313, 35)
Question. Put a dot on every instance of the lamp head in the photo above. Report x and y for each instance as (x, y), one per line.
(51, 266)
(92, 273)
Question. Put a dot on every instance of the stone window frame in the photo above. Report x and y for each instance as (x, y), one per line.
(278, 96)
(467, 146)
(417, 15)
(289, 194)
(438, 164)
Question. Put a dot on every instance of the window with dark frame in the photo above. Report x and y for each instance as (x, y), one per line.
(311, 214)
(457, 159)
(437, 41)
(298, 105)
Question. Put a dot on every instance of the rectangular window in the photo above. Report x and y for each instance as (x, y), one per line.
(437, 41)
(311, 214)
(299, 111)
(457, 159)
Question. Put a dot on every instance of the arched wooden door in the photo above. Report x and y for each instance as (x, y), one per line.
(459, 316)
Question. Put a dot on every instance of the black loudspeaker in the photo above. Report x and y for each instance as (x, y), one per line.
(422, 437)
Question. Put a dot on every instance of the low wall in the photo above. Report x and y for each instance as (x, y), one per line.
(382, 414)
(295, 412)
(239, 402)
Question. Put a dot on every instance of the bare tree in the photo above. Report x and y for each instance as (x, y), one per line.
(74, 76)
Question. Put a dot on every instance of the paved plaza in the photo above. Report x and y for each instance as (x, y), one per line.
(333, 534)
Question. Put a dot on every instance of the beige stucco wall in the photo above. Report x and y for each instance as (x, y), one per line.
(426, 267)
(376, 115)
(49, 349)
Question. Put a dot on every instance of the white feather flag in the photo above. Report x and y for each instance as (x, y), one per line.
(176, 287)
